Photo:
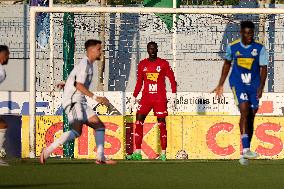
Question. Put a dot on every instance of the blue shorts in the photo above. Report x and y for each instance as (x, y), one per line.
(241, 94)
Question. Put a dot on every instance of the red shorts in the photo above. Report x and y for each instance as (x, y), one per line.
(146, 105)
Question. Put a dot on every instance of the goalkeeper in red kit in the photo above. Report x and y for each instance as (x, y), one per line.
(151, 74)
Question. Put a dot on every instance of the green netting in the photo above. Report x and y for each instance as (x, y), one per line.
(68, 57)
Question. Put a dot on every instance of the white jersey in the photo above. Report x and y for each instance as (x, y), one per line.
(2, 73)
(82, 73)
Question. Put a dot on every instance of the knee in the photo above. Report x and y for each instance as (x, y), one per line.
(244, 114)
(162, 124)
(100, 125)
(139, 123)
(253, 114)
(161, 120)
(140, 117)
(77, 128)
(76, 133)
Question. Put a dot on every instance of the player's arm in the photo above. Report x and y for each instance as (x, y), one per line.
(225, 71)
(79, 85)
(170, 74)
(263, 62)
(139, 82)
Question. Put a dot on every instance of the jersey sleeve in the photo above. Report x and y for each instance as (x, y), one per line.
(263, 58)
(81, 74)
(139, 82)
(170, 74)
(228, 55)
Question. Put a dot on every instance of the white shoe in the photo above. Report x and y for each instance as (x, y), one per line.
(244, 161)
(250, 155)
(3, 163)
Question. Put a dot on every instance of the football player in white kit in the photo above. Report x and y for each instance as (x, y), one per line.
(4, 57)
(75, 104)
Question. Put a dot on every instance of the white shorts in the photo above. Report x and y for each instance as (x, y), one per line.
(79, 112)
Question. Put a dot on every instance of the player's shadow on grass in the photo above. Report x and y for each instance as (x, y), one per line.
(41, 185)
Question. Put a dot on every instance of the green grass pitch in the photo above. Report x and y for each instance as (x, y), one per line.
(192, 174)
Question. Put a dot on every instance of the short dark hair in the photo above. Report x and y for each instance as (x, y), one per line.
(4, 48)
(247, 24)
(92, 42)
(152, 43)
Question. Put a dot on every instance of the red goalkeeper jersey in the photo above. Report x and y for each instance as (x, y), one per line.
(152, 75)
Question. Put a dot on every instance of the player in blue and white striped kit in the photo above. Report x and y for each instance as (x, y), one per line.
(249, 61)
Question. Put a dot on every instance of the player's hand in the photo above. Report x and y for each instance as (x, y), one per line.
(60, 85)
(172, 101)
(132, 103)
(259, 92)
(102, 100)
(218, 91)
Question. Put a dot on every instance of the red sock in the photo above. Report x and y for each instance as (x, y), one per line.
(163, 135)
(138, 134)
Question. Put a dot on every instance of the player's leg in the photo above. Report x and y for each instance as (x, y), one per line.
(244, 111)
(245, 130)
(138, 136)
(143, 110)
(75, 118)
(252, 113)
(254, 101)
(242, 101)
(99, 127)
(243, 126)
(163, 136)
(94, 122)
(3, 129)
(160, 110)
(65, 137)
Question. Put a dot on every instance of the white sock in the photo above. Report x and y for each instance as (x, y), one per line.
(65, 137)
(100, 142)
(2, 137)
(163, 152)
(138, 151)
(245, 150)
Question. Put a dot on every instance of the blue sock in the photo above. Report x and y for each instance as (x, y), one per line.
(245, 141)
